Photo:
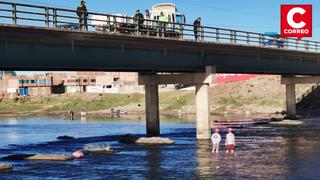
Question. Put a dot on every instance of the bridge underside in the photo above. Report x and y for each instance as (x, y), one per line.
(23, 48)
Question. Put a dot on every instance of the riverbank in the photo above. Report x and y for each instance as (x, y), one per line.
(262, 95)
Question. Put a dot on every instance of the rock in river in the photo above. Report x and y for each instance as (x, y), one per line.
(44, 157)
(5, 166)
(65, 137)
(145, 140)
(154, 140)
(287, 122)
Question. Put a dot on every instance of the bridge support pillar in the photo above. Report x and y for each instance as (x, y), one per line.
(203, 111)
(290, 95)
(152, 110)
(202, 82)
(290, 82)
(291, 100)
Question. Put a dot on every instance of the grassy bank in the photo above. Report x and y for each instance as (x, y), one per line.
(74, 102)
(260, 95)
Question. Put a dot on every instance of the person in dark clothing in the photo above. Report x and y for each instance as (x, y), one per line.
(197, 28)
(138, 18)
(82, 13)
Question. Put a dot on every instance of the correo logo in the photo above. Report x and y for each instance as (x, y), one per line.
(296, 21)
(290, 15)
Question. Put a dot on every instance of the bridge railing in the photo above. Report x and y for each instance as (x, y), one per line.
(51, 17)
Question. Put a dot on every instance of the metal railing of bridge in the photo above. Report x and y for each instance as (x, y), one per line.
(33, 15)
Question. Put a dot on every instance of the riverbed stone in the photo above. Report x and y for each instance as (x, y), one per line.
(65, 137)
(287, 122)
(146, 140)
(44, 157)
(154, 140)
(5, 166)
(100, 148)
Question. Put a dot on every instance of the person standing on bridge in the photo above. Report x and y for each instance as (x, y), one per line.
(197, 28)
(138, 19)
(163, 20)
(148, 22)
(215, 138)
(230, 141)
(82, 13)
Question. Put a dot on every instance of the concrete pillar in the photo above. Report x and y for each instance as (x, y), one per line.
(291, 100)
(202, 82)
(152, 110)
(203, 111)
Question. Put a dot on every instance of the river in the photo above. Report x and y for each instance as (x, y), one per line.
(262, 152)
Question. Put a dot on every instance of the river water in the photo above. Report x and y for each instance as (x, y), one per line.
(262, 152)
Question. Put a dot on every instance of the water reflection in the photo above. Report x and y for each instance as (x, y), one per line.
(154, 162)
(206, 161)
(83, 119)
(12, 121)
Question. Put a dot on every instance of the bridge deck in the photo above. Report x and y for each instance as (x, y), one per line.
(38, 48)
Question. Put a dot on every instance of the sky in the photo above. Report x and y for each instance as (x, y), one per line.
(249, 15)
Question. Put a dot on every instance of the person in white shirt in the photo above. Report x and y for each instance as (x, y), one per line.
(83, 113)
(230, 141)
(215, 138)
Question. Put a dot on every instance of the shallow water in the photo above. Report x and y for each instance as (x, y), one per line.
(262, 152)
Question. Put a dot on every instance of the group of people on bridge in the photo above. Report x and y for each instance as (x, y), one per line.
(144, 24)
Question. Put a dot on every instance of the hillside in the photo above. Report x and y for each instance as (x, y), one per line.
(264, 94)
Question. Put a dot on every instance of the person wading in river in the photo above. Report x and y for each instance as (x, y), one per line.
(230, 141)
(215, 138)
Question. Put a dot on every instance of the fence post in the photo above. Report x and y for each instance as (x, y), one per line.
(217, 35)
(316, 46)
(47, 20)
(235, 37)
(55, 18)
(307, 45)
(260, 40)
(231, 36)
(286, 43)
(163, 29)
(108, 24)
(296, 44)
(248, 38)
(202, 33)
(137, 25)
(82, 23)
(114, 24)
(14, 13)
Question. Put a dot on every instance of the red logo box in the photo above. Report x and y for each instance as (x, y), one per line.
(296, 21)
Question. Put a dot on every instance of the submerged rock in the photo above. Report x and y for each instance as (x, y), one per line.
(287, 122)
(128, 139)
(46, 157)
(5, 166)
(99, 148)
(65, 137)
(145, 140)
(154, 140)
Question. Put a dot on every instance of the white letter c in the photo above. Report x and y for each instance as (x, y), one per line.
(290, 15)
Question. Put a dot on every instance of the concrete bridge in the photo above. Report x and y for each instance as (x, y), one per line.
(181, 59)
